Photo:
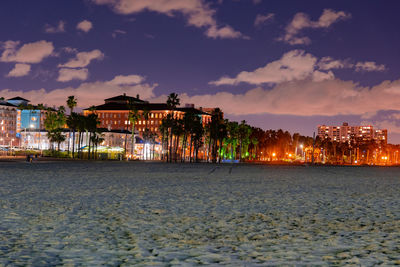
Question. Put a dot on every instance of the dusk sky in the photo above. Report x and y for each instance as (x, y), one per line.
(277, 64)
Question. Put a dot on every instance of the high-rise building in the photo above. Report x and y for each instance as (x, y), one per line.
(346, 133)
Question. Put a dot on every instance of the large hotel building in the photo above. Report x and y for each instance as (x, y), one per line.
(346, 133)
(114, 113)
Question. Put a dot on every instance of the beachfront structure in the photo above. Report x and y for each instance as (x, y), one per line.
(346, 133)
(114, 113)
(8, 115)
(113, 142)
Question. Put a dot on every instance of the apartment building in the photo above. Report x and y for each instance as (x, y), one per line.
(346, 133)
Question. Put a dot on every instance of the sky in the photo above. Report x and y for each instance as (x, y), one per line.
(276, 64)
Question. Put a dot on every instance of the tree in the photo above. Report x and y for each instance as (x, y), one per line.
(172, 102)
(71, 103)
(73, 123)
(133, 117)
(40, 107)
(54, 122)
(146, 114)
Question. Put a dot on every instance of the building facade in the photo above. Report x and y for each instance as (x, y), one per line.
(346, 133)
(8, 118)
(114, 114)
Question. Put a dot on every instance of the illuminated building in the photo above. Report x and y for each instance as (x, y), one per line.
(114, 113)
(346, 133)
(8, 117)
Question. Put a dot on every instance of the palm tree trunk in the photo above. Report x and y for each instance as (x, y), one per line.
(73, 144)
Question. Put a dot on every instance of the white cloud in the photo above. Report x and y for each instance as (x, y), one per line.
(84, 26)
(127, 80)
(28, 53)
(116, 32)
(69, 50)
(88, 94)
(328, 63)
(66, 75)
(262, 19)
(197, 13)
(369, 66)
(226, 32)
(302, 21)
(294, 65)
(83, 59)
(55, 29)
(307, 97)
(19, 70)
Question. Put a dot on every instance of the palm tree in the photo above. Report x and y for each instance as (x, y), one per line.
(40, 107)
(164, 127)
(172, 102)
(73, 123)
(92, 121)
(145, 113)
(133, 118)
(54, 123)
(71, 103)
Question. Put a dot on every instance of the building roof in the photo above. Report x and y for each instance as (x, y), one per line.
(4, 103)
(18, 98)
(125, 98)
(148, 106)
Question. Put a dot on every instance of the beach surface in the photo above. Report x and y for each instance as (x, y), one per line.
(138, 213)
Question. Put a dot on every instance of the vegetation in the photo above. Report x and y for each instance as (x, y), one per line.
(189, 139)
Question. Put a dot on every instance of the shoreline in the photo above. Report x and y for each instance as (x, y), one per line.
(19, 159)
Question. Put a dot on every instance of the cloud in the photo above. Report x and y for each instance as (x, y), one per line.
(84, 26)
(293, 65)
(19, 70)
(302, 21)
(306, 97)
(328, 63)
(127, 80)
(256, 2)
(28, 53)
(369, 66)
(116, 32)
(83, 59)
(88, 94)
(197, 13)
(55, 29)
(69, 50)
(66, 75)
(296, 65)
(262, 19)
(223, 33)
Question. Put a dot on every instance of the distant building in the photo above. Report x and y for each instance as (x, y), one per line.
(8, 117)
(113, 114)
(346, 133)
